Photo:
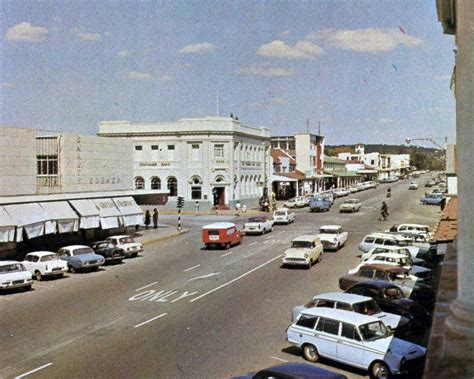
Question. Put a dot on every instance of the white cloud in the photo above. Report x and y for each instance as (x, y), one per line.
(279, 49)
(26, 32)
(123, 53)
(278, 100)
(139, 75)
(285, 33)
(7, 85)
(166, 78)
(263, 70)
(89, 36)
(198, 48)
(366, 40)
(443, 77)
(386, 120)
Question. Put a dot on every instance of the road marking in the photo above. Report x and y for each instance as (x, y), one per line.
(32, 371)
(6, 298)
(191, 268)
(226, 254)
(204, 276)
(148, 285)
(235, 279)
(280, 232)
(279, 359)
(150, 320)
(253, 243)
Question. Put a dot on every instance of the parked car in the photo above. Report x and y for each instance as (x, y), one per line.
(305, 250)
(293, 371)
(110, 252)
(432, 199)
(44, 264)
(126, 244)
(413, 186)
(333, 237)
(283, 216)
(390, 298)
(339, 192)
(350, 205)
(319, 204)
(13, 274)
(258, 225)
(411, 230)
(386, 239)
(79, 257)
(296, 202)
(327, 195)
(393, 249)
(354, 339)
(430, 183)
(222, 234)
(353, 189)
(354, 303)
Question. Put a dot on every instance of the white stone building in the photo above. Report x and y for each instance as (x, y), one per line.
(211, 160)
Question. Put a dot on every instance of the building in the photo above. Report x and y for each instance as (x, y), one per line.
(339, 175)
(284, 176)
(213, 161)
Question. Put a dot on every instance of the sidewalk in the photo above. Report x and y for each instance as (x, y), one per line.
(150, 235)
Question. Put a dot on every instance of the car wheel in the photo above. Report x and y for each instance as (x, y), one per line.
(72, 270)
(320, 258)
(227, 246)
(310, 353)
(38, 275)
(379, 370)
(310, 264)
(271, 229)
(338, 247)
(27, 288)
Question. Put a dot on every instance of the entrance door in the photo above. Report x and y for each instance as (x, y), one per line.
(220, 196)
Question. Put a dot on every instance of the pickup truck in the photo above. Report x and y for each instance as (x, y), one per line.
(333, 237)
(283, 216)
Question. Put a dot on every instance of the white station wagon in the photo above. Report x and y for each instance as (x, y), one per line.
(43, 264)
(354, 339)
(127, 244)
(333, 237)
(305, 250)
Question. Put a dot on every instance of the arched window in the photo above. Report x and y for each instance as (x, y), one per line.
(196, 190)
(155, 183)
(139, 183)
(172, 186)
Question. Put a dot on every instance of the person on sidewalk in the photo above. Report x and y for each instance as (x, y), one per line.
(155, 218)
(147, 219)
(237, 207)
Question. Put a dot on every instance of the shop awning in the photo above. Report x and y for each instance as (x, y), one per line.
(132, 214)
(90, 216)
(7, 226)
(278, 178)
(109, 213)
(62, 217)
(29, 217)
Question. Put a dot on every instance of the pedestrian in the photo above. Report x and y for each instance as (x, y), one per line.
(196, 206)
(155, 218)
(442, 203)
(147, 219)
(237, 207)
(384, 211)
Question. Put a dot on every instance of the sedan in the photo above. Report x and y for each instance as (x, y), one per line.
(13, 274)
(413, 186)
(80, 257)
(296, 202)
(109, 251)
(44, 264)
(258, 225)
(293, 371)
(350, 205)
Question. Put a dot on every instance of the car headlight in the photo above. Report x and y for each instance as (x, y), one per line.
(335, 240)
(306, 255)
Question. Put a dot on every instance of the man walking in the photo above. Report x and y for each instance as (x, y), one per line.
(155, 218)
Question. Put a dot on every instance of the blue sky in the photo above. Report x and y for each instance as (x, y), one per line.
(369, 71)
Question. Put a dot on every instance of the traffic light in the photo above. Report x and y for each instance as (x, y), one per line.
(180, 202)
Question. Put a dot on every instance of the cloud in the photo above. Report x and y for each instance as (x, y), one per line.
(123, 53)
(139, 75)
(443, 77)
(386, 120)
(197, 48)
(166, 78)
(263, 70)
(278, 100)
(439, 110)
(285, 33)
(366, 40)
(89, 36)
(26, 32)
(7, 85)
(279, 49)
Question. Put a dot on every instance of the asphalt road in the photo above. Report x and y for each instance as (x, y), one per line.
(179, 311)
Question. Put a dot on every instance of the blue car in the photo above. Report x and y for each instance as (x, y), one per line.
(432, 198)
(80, 257)
(294, 371)
(319, 204)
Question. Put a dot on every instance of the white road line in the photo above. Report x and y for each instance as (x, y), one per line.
(279, 359)
(226, 254)
(148, 285)
(150, 320)
(253, 243)
(204, 276)
(6, 298)
(191, 268)
(235, 279)
(32, 371)
(280, 232)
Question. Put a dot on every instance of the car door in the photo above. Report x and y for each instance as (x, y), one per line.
(349, 346)
(327, 331)
(303, 330)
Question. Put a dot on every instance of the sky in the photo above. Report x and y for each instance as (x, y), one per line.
(366, 71)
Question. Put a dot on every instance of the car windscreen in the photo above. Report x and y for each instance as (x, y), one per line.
(368, 307)
(256, 219)
(302, 244)
(280, 213)
(125, 240)
(83, 251)
(351, 201)
(14, 267)
(50, 257)
(327, 231)
(373, 331)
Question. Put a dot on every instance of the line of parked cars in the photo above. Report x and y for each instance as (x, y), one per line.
(47, 264)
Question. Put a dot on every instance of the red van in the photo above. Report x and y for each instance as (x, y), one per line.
(221, 234)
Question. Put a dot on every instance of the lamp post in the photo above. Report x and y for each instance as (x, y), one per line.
(409, 140)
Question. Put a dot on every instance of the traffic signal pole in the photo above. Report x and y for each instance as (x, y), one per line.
(179, 219)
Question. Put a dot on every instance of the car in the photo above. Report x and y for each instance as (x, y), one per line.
(127, 244)
(387, 239)
(350, 205)
(390, 298)
(305, 250)
(333, 237)
(354, 303)
(413, 186)
(339, 192)
(109, 251)
(221, 234)
(293, 371)
(356, 340)
(319, 204)
(258, 225)
(411, 230)
(353, 189)
(430, 183)
(80, 258)
(327, 195)
(432, 199)
(44, 264)
(13, 274)
(393, 249)
(283, 216)
(296, 202)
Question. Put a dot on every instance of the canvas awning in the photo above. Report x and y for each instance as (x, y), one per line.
(7, 226)
(62, 217)
(132, 214)
(29, 217)
(90, 216)
(109, 213)
(278, 178)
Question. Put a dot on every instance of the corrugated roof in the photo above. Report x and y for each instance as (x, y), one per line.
(447, 228)
(294, 175)
(279, 153)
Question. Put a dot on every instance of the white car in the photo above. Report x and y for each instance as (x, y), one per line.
(339, 192)
(333, 237)
(43, 264)
(296, 202)
(413, 186)
(283, 216)
(305, 250)
(387, 239)
(127, 244)
(353, 189)
(393, 249)
(258, 225)
(13, 274)
(412, 230)
(350, 205)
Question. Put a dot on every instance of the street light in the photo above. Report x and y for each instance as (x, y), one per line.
(409, 140)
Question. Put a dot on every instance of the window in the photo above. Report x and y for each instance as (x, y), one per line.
(171, 152)
(380, 274)
(139, 183)
(367, 273)
(307, 321)
(344, 306)
(170, 147)
(325, 304)
(172, 185)
(155, 183)
(390, 243)
(379, 241)
(218, 151)
(138, 148)
(196, 193)
(328, 326)
(154, 147)
(349, 331)
(369, 239)
(47, 165)
(195, 152)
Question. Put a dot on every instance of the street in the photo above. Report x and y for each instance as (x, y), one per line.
(181, 311)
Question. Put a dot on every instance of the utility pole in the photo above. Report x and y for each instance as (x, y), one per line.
(319, 128)
(217, 103)
(307, 125)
